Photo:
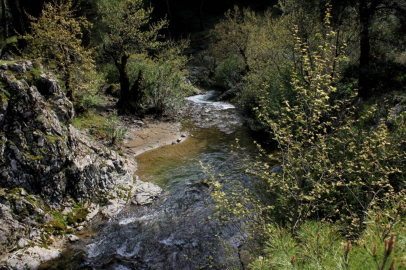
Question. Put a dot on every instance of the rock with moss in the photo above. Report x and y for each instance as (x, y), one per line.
(41, 152)
(47, 165)
(32, 257)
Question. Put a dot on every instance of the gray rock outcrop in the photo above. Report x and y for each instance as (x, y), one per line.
(45, 163)
(41, 152)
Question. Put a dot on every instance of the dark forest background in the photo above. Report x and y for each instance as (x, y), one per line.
(184, 16)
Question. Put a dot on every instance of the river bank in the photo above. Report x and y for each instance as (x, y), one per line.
(151, 133)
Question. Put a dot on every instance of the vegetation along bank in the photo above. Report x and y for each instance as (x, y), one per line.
(87, 85)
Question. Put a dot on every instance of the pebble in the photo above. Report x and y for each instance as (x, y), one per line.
(22, 243)
(139, 122)
(73, 238)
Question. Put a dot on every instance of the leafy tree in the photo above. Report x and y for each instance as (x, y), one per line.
(128, 32)
(57, 38)
(232, 35)
(163, 83)
(334, 167)
(365, 18)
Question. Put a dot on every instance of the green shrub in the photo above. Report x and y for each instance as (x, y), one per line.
(110, 73)
(162, 80)
(340, 167)
(89, 84)
(10, 46)
(113, 129)
(78, 214)
(229, 72)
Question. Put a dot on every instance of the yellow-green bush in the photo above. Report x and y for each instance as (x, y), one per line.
(229, 72)
(162, 79)
(341, 172)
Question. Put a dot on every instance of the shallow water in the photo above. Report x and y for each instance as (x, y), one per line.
(174, 232)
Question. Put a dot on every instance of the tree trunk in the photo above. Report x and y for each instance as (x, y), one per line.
(19, 9)
(168, 8)
(367, 10)
(245, 58)
(4, 15)
(136, 93)
(18, 17)
(202, 26)
(70, 90)
(124, 81)
(365, 49)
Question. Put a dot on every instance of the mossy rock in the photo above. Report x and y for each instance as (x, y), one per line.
(4, 95)
(78, 214)
(33, 76)
(57, 226)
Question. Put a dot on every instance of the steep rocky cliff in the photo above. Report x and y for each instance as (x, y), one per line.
(40, 151)
(47, 167)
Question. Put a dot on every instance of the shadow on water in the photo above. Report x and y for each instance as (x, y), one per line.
(174, 232)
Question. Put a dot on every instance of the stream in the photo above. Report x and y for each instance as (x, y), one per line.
(176, 231)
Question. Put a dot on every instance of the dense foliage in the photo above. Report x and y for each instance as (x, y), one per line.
(342, 161)
(258, 49)
(65, 35)
(163, 78)
(324, 82)
(128, 32)
(57, 39)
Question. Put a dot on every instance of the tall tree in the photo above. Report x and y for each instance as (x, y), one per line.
(168, 8)
(4, 18)
(201, 16)
(19, 20)
(368, 9)
(367, 13)
(128, 32)
(20, 9)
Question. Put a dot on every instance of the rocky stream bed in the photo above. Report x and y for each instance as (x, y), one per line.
(159, 219)
(175, 231)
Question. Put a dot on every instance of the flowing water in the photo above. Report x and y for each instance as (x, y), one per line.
(175, 232)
